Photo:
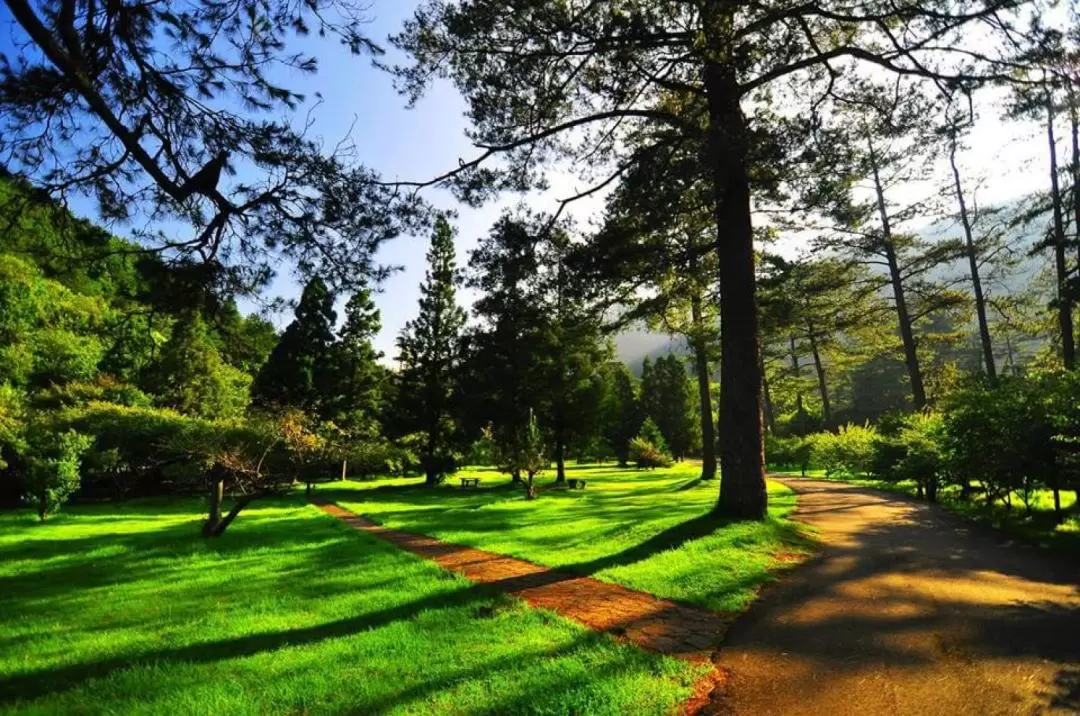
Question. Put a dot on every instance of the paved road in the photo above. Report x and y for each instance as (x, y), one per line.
(907, 611)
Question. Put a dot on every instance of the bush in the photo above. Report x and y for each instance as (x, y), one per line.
(913, 447)
(53, 468)
(849, 451)
(645, 454)
(788, 452)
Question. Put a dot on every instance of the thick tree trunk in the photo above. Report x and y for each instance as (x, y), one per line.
(973, 265)
(701, 368)
(823, 385)
(217, 494)
(1074, 127)
(907, 333)
(1064, 299)
(742, 460)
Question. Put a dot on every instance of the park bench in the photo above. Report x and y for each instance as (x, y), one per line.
(576, 484)
(467, 482)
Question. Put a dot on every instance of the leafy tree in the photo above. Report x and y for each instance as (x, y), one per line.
(53, 468)
(152, 107)
(429, 357)
(244, 342)
(300, 366)
(648, 449)
(190, 376)
(526, 455)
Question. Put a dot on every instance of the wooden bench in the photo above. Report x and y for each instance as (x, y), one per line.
(576, 484)
(470, 482)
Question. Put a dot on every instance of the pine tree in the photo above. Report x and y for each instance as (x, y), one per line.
(667, 399)
(429, 357)
(299, 371)
(621, 411)
(359, 379)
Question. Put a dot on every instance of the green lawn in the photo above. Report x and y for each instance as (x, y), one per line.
(648, 530)
(123, 609)
(1037, 527)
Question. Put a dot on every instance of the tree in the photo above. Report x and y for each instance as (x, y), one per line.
(526, 455)
(654, 248)
(190, 376)
(548, 81)
(885, 137)
(301, 365)
(53, 468)
(539, 335)
(666, 399)
(429, 356)
(621, 413)
(152, 107)
(358, 381)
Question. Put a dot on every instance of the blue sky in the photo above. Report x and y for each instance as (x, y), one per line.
(429, 139)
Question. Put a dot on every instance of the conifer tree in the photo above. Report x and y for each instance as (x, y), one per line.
(358, 381)
(429, 356)
(300, 368)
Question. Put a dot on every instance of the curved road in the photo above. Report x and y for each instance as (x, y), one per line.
(906, 610)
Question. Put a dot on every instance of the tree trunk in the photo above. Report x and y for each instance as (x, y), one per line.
(560, 460)
(217, 494)
(1065, 324)
(907, 334)
(796, 371)
(742, 460)
(823, 386)
(701, 368)
(770, 414)
(1074, 127)
(344, 469)
(973, 264)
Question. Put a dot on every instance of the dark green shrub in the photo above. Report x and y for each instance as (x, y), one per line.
(53, 463)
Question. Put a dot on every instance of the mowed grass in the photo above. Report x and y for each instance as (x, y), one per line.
(648, 530)
(1038, 527)
(123, 609)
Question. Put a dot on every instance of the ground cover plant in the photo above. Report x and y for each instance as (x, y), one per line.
(648, 530)
(122, 608)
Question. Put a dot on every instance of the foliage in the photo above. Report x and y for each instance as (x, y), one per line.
(53, 468)
(794, 451)
(668, 398)
(646, 454)
(190, 376)
(150, 130)
(358, 387)
(429, 357)
(849, 451)
(298, 371)
(620, 412)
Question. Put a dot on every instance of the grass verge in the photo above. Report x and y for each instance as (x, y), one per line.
(123, 609)
(647, 530)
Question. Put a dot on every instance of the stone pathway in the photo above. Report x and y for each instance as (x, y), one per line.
(658, 625)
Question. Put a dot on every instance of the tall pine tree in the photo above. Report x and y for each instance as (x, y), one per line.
(359, 379)
(299, 371)
(429, 357)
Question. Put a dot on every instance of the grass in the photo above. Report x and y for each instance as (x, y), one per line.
(123, 609)
(1038, 527)
(648, 530)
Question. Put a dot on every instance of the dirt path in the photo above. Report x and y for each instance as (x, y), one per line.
(906, 611)
(659, 625)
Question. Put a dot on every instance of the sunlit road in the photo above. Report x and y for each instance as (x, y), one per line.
(907, 611)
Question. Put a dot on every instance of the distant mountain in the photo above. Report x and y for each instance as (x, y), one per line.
(633, 346)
